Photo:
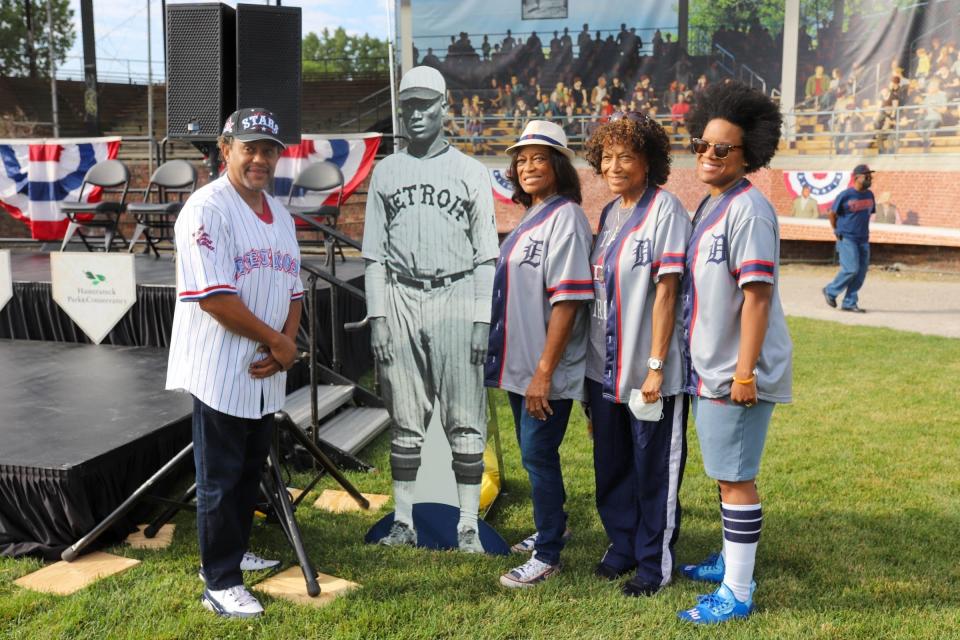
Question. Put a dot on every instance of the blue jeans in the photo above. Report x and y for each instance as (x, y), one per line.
(854, 260)
(229, 453)
(540, 452)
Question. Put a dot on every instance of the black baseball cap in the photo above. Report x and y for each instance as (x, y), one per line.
(862, 170)
(253, 123)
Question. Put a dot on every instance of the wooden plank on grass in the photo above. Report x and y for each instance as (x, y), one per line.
(64, 578)
(160, 541)
(340, 501)
(290, 585)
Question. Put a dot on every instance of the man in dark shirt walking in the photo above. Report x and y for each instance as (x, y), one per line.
(850, 219)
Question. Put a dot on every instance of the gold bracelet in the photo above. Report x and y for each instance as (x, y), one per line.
(747, 381)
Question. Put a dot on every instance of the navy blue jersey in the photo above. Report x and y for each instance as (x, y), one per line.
(853, 209)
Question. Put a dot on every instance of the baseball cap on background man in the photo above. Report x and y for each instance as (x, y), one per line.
(543, 132)
(253, 123)
(422, 82)
(862, 170)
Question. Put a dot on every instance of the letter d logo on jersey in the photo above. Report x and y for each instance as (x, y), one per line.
(642, 253)
(718, 250)
(532, 253)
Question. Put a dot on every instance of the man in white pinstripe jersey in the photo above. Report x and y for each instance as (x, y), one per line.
(234, 326)
(429, 243)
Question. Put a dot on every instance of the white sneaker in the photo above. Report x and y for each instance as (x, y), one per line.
(253, 562)
(235, 602)
(249, 562)
(468, 540)
(529, 574)
(400, 534)
(527, 544)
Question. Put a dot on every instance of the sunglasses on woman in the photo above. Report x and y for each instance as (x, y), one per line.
(636, 116)
(720, 149)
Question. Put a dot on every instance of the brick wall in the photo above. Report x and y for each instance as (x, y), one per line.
(931, 195)
(10, 227)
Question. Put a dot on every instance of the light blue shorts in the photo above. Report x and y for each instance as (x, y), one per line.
(731, 436)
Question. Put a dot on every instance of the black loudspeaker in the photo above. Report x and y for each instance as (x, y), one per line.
(269, 63)
(201, 70)
(220, 60)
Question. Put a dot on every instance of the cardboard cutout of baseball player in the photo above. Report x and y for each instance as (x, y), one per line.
(429, 243)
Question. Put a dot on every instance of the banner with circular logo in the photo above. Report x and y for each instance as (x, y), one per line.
(825, 186)
(502, 187)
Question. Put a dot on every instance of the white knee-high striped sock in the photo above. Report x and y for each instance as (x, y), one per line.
(741, 535)
(469, 495)
(403, 501)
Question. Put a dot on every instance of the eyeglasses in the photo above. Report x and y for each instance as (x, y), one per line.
(636, 116)
(720, 149)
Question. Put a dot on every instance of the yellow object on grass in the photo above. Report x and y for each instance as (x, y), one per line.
(490, 483)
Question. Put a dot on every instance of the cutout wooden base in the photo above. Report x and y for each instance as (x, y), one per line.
(64, 578)
(289, 585)
(340, 501)
(162, 540)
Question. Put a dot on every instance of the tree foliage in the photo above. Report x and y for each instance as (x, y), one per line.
(710, 15)
(14, 56)
(340, 53)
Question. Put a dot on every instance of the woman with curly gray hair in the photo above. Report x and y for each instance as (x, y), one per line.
(634, 375)
(739, 347)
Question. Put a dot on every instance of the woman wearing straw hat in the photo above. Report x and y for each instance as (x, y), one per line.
(538, 330)
(634, 376)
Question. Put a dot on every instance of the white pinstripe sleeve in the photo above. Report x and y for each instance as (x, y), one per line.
(296, 292)
(282, 218)
(205, 258)
(483, 222)
(375, 220)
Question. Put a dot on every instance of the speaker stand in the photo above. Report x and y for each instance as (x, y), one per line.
(211, 157)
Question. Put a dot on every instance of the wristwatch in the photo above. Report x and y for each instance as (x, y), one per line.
(655, 364)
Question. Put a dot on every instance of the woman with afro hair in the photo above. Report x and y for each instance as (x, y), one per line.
(634, 376)
(735, 332)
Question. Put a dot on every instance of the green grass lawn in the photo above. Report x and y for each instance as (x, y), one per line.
(861, 536)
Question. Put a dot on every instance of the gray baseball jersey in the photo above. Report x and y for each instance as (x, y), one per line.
(628, 260)
(224, 248)
(545, 260)
(430, 217)
(735, 241)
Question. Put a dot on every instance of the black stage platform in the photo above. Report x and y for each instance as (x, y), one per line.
(81, 427)
(33, 315)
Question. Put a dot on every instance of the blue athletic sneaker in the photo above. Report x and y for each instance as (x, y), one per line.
(710, 570)
(719, 606)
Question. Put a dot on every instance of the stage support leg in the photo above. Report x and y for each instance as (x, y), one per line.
(168, 514)
(70, 553)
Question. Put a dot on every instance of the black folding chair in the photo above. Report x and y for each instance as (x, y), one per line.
(155, 220)
(320, 176)
(113, 177)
